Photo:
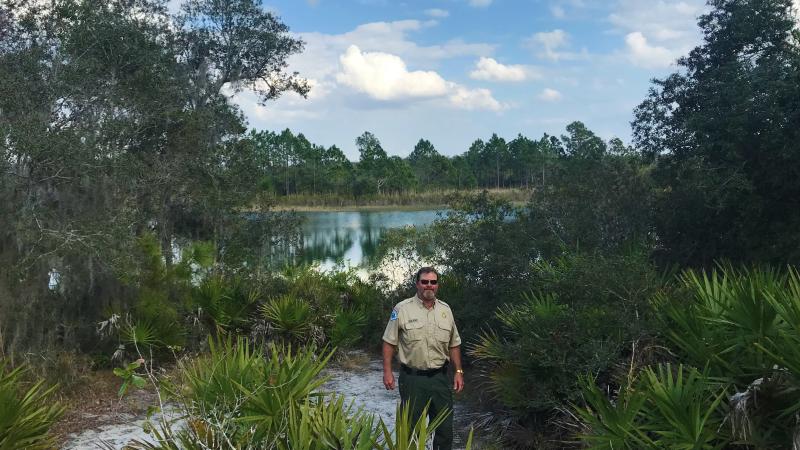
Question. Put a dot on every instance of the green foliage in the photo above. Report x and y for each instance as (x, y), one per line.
(330, 424)
(224, 305)
(782, 348)
(290, 318)
(301, 173)
(409, 435)
(129, 377)
(682, 412)
(236, 381)
(488, 251)
(27, 412)
(612, 425)
(348, 325)
(114, 127)
(532, 364)
(723, 317)
(591, 199)
(334, 307)
(667, 408)
(722, 133)
(584, 317)
(738, 325)
(237, 397)
(141, 334)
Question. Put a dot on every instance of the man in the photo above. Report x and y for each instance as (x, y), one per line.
(423, 329)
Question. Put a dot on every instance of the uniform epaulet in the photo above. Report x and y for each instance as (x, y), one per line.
(443, 303)
(404, 302)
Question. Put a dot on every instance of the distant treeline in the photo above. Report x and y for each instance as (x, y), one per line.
(289, 164)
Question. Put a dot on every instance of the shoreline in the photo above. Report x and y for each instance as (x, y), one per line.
(417, 202)
(353, 208)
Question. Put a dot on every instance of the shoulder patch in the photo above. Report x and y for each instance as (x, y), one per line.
(394, 315)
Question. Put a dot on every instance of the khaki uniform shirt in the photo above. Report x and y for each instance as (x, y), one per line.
(423, 336)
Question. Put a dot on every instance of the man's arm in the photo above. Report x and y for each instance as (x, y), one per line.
(455, 358)
(388, 375)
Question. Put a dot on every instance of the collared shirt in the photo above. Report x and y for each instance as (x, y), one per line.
(423, 336)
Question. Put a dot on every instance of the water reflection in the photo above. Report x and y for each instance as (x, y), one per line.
(352, 238)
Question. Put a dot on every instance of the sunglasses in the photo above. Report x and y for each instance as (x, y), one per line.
(431, 282)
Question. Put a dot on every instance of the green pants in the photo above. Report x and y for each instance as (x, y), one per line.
(417, 390)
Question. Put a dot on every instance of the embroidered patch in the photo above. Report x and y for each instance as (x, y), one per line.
(394, 315)
(444, 314)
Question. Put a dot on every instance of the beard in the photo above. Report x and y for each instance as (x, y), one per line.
(428, 295)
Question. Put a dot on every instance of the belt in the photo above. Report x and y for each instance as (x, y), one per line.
(424, 372)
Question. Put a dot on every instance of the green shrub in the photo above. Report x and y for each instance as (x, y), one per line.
(741, 327)
(237, 397)
(721, 318)
(348, 325)
(236, 381)
(668, 407)
(27, 412)
(585, 315)
(291, 318)
(223, 305)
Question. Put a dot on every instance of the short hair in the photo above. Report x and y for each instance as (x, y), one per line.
(425, 270)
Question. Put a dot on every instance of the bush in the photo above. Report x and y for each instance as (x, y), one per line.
(252, 396)
(223, 304)
(238, 397)
(27, 413)
(668, 407)
(291, 319)
(334, 308)
(741, 327)
(583, 317)
(347, 326)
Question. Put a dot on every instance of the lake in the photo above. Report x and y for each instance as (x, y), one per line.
(352, 237)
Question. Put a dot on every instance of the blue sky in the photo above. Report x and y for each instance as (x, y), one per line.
(452, 71)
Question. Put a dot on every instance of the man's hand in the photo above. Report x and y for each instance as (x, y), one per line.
(458, 382)
(388, 380)
(388, 376)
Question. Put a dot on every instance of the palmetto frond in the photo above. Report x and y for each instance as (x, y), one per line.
(290, 317)
(26, 414)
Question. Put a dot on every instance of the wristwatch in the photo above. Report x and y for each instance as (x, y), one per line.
(461, 371)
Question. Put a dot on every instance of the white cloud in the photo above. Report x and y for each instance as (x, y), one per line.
(480, 3)
(558, 12)
(321, 63)
(321, 55)
(657, 33)
(383, 76)
(550, 95)
(642, 54)
(472, 99)
(490, 70)
(437, 13)
(552, 44)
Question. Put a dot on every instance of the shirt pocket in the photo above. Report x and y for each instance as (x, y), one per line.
(443, 330)
(413, 331)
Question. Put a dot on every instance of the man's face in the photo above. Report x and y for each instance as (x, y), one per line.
(427, 285)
